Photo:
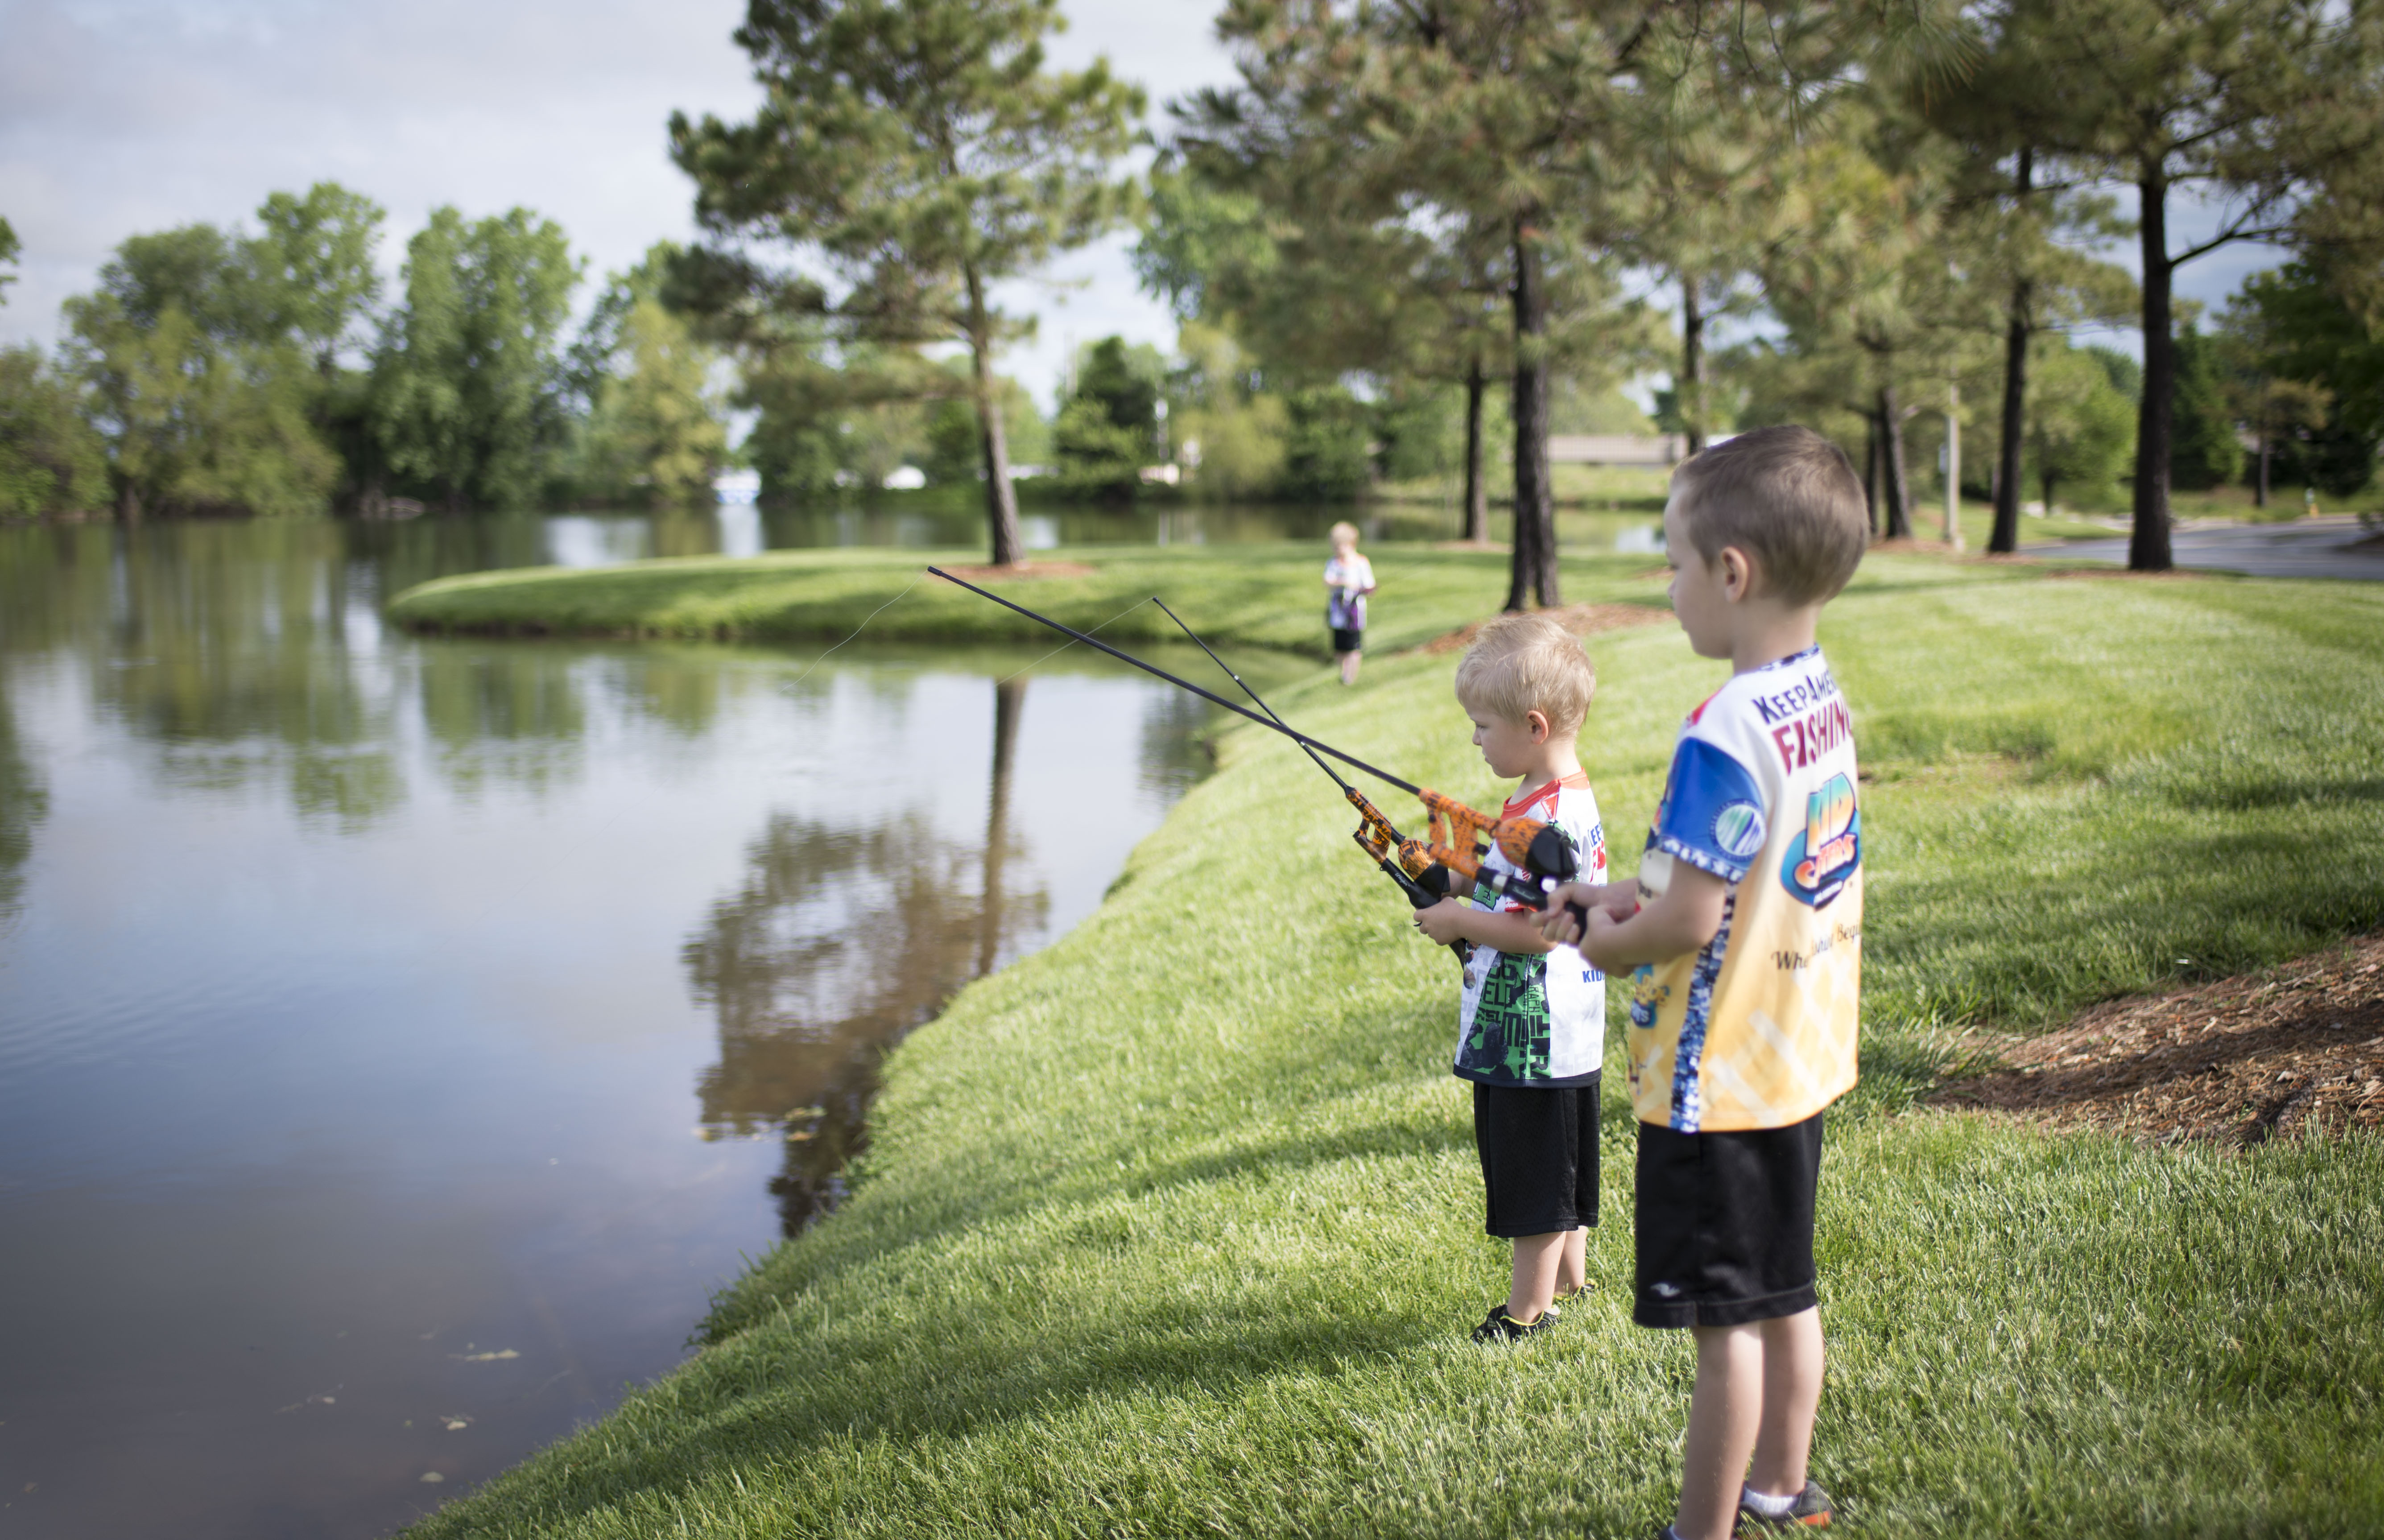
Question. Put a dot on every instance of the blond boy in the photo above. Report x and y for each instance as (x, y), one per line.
(1746, 930)
(1349, 579)
(1532, 1020)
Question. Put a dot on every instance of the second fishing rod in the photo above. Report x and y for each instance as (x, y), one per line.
(1426, 870)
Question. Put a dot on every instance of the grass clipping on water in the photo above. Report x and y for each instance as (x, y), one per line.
(1174, 1229)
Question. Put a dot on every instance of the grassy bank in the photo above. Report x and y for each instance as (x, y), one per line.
(1174, 1229)
(1260, 595)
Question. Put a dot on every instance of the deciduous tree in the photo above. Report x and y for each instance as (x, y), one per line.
(468, 377)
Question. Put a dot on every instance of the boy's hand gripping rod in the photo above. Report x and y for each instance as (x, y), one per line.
(1459, 836)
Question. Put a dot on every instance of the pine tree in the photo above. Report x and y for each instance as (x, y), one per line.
(921, 150)
(2258, 103)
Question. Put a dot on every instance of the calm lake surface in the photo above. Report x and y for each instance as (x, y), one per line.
(401, 1039)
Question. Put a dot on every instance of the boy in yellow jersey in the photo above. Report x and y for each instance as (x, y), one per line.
(1746, 930)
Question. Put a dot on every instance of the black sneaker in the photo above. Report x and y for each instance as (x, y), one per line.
(1556, 1305)
(1811, 1511)
(1499, 1326)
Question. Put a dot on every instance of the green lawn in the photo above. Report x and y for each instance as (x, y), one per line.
(1174, 1228)
(1255, 595)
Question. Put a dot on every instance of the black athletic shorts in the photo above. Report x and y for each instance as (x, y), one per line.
(1725, 1224)
(1349, 641)
(1539, 1156)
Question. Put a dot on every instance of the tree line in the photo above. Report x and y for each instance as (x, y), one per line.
(1410, 232)
(262, 370)
(1453, 196)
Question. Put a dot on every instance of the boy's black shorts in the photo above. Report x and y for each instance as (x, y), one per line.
(1346, 641)
(1539, 1156)
(1725, 1224)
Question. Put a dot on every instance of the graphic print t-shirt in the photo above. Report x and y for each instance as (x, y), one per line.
(1353, 577)
(1758, 1029)
(1537, 1018)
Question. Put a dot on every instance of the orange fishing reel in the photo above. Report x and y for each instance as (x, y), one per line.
(1450, 860)
(1460, 837)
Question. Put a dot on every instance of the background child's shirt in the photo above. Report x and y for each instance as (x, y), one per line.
(1758, 1029)
(1353, 577)
(1537, 1018)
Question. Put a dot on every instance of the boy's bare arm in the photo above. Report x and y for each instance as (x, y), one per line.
(1454, 919)
(1629, 925)
(1682, 919)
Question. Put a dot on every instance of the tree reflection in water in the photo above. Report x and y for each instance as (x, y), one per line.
(842, 941)
(22, 802)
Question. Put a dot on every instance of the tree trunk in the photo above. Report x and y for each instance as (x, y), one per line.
(2005, 540)
(1534, 568)
(1691, 383)
(2260, 491)
(1870, 470)
(1009, 702)
(1477, 490)
(1000, 497)
(2047, 482)
(1953, 464)
(2148, 548)
(1897, 492)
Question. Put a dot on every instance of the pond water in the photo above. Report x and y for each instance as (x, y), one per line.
(401, 1039)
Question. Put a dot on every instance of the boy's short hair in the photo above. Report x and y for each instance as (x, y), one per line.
(1520, 663)
(1786, 496)
(1343, 531)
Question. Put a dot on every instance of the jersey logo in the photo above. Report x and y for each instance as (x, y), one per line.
(1825, 854)
(1738, 830)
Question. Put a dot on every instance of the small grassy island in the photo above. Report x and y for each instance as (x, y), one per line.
(1172, 1228)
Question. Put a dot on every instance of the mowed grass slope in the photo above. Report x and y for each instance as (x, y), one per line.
(1174, 1229)
(1258, 595)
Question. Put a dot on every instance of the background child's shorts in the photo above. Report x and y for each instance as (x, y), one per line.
(1539, 1156)
(1725, 1224)
(1346, 641)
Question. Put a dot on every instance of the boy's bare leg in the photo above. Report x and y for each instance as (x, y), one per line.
(1538, 1259)
(1349, 667)
(1792, 1396)
(1572, 1267)
(1724, 1411)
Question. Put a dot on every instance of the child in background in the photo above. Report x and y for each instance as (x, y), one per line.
(1349, 578)
(1745, 928)
(1531, 1021)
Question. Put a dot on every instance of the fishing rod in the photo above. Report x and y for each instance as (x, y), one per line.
(1375, 834)
(1294, 734)
(1459, 836)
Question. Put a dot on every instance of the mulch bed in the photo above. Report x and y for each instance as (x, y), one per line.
(2240, 1061)
(1580, 619)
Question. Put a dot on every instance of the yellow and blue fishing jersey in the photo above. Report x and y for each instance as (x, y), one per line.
(1757, 1030)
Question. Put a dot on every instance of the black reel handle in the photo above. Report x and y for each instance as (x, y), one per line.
(1423, 892)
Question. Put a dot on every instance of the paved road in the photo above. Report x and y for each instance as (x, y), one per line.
(2328, 546)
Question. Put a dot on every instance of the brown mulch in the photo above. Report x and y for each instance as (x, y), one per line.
(2240, 1061)
(1022, 571)
(1580, 619)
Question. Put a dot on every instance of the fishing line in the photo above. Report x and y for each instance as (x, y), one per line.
(858, 630)
(1072, 641)
(1209, 695)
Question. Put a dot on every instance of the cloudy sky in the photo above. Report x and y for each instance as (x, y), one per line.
(118, 116)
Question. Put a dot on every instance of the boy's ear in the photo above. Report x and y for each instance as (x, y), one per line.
(1740, 574)
(1537, 722)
